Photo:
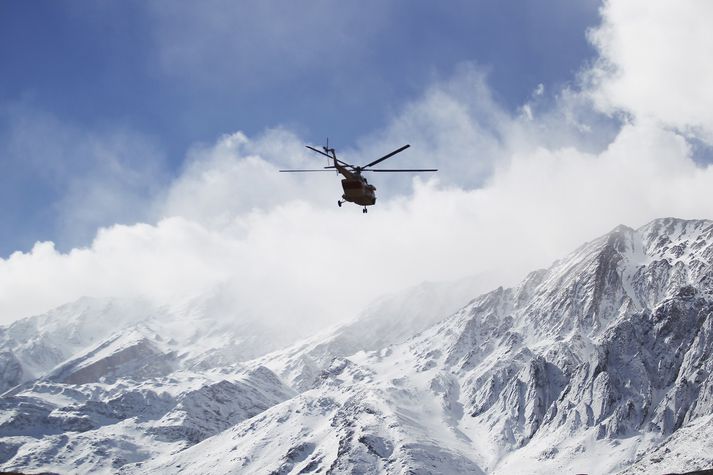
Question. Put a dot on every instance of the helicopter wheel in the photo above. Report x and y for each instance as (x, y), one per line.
(339, 203)
(364, 210)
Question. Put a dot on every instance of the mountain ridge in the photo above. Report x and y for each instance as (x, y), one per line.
(592, 364)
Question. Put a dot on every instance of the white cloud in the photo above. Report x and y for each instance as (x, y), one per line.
(238, 175)
(655, 62)
(163, 261)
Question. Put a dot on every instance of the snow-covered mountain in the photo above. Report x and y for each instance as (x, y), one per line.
(66, 372)
(31, 347)
(598, 364)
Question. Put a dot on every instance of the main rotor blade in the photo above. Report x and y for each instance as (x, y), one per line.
(319, 151)
(303, 171)
(379, 160)
(328, 156)
(387, 170)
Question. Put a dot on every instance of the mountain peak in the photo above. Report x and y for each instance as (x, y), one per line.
(621, 228)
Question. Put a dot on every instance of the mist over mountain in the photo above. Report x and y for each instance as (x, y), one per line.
(597, 364)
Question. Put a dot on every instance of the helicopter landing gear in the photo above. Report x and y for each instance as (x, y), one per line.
(364, 210)
(339, 203)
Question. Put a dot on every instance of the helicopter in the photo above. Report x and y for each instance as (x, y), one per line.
(356, 187)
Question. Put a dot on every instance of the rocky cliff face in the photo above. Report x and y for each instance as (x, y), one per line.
(600, 363)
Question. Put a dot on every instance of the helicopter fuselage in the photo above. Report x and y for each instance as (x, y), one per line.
(356, 188)
(358, 191)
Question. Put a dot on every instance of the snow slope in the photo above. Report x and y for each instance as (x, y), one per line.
(31, 347)
(95, 427)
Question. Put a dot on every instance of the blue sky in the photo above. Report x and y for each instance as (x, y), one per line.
(159, 77)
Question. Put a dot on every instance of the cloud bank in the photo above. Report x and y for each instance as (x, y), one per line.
(516, 190)
(654, 63)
